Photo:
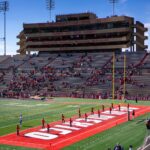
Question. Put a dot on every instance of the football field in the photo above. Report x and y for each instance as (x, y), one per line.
(129, 133)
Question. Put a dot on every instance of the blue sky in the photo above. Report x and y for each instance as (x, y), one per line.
(33, 11)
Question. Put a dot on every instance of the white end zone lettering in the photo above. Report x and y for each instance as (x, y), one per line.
(89, 120)
(62, 131)
(130, 108)
(67, 127)
(114, 112)
(102, 117)
(80, 124)
(40, 135)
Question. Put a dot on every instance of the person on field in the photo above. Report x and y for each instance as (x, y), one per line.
(118, 147)
(128, 115)
(110, 109)
(48, 127)
(17, 129)
(112, 105)
(130, 147)
(20, 120)
(136, 100)
(99, 113)
(133, 114)
(43, 123)
(119, 107)
(79, 112)
(148, 123)
(63, 118)
(103, 108)
(92, 111)
(86, 117)
(128, 106)
(70, 122)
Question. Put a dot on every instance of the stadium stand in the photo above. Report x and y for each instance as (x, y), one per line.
(82, 74)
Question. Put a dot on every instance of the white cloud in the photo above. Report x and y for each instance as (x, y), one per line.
(147, 25)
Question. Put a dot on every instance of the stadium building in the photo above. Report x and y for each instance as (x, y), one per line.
(76, 59)
(73, 79)
(83, 32)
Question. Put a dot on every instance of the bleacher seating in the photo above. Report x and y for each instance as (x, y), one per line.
(74, 74)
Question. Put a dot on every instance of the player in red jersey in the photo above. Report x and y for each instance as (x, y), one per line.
(99, 113)
(92, 111)
(128, 106)
(43, 123)
(110, 109)
(17, 129)
(63, 118)
(70, 122)
(79, 112)
(119, 107)
(48, 127)
(86, 117)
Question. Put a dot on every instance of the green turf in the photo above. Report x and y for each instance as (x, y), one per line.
(6, 147)
(34, 111)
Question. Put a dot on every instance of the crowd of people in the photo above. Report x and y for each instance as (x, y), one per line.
(53, 81)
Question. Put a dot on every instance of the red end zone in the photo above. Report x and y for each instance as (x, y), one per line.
(61, 134)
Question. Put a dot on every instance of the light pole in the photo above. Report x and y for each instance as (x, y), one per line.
(50, 4)
(113, 2)
(4, 6)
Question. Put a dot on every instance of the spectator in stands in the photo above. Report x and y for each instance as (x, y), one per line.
(24, 83)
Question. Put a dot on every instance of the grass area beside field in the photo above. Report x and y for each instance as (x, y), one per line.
(34, 111)
(6, 147)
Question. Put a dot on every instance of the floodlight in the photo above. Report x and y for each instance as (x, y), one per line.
(50, 5)
(4, 7)
(113, 2)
